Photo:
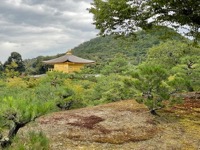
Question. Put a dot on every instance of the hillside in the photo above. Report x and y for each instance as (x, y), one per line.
(101, 49)
(123, 125)
(134, 48)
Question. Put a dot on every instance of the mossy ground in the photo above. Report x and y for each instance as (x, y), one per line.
(124, 125)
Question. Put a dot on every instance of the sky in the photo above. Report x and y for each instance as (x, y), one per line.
(43, 27)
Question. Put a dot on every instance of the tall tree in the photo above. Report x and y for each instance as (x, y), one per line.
(125, 16)
(17, 59)
(181, 61)
(149, 80)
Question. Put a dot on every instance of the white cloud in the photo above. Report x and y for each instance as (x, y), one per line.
(43, 27)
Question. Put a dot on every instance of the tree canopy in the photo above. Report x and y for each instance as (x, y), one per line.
(15, 58)
(124, 17)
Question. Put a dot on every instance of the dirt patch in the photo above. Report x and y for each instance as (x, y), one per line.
(87, 122)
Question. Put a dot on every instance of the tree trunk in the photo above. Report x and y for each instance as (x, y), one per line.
(6, 142)
(13, 131)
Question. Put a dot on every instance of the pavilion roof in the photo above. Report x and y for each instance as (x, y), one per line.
(68, 57)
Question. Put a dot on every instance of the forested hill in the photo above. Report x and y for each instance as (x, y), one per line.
(135, 48)
(101, 49)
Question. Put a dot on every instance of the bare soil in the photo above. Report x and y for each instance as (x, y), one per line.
(123, 125)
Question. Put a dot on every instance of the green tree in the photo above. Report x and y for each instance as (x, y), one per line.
(22, 103)
(112, 88)
(189, 71)
(39, 66)
(17, 112)
(10, 70)
(118, 65)
(124, 17)
(149, 80)
(17, 59)
(168, 53)
(182, 62)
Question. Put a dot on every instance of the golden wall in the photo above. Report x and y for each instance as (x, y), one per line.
(68, 67)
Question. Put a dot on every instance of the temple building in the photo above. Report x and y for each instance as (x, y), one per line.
(68, 63)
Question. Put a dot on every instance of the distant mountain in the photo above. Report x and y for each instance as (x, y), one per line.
(135, 48)
(101, 49)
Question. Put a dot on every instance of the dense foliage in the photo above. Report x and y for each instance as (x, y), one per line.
(14, 66)
(124, 17)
